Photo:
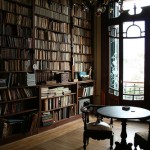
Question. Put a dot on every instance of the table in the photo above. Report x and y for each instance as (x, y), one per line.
(123, 113)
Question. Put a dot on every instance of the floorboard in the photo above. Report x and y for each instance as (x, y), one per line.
(69, 137)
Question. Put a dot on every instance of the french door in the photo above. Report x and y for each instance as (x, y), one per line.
(127, 62)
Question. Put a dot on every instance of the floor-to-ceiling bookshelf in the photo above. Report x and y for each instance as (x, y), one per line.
(43, 45)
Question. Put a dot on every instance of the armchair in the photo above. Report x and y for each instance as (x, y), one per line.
(94, 126)
(142, 139)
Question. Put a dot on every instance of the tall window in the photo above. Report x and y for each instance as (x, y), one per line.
(133, 60)
(132, 37)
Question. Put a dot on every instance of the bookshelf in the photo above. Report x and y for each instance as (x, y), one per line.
(58, 102)
(16, 53)
(52, 39)
(18, 101)
(18, 105)
(44, 45)
(82, 38)
(85, 92)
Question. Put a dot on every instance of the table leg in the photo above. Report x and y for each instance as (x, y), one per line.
(123, 144)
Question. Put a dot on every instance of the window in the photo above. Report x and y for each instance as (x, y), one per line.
(133, 60)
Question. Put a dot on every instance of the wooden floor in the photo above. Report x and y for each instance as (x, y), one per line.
(69, 137)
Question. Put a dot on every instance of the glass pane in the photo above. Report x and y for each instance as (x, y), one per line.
(114, 66)
(129, 5)
(114, 10)
(134, 29)
(133, 69)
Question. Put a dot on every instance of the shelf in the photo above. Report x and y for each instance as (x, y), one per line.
(19, 113)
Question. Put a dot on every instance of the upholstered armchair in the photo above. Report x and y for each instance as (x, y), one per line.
(142, 138)
(94, 126)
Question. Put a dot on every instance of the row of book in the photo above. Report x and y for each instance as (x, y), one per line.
(78, 11)
(81, 32)
(10, 108)
(82, 49)
(59, 37)
(52, 56)
(17, 19)
(47, 92)
(42, 77)
(24, 2)
(15, 78)
(82, 67)
(56, 7)
(41, 22)
(81, 23)
(46, 4)
(63, 113)
(85, 91)
(82, 58)
(52, 14)
(16, 42)
(15, 93)
(48, 118)
(16, 65)
(55, 65)
(54, 26)
(59, 26)
(54, 47)
(18, 125)
(54, 37)
(81, 40)
(14, 30)
(57, 102)
(15, 8)
(47, 45)
(7, 53)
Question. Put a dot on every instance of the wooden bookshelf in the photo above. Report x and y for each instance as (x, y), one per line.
(58, 102)
(82, 38)
(17, 107)
(42, 41)
(52, 39)
(18, 101)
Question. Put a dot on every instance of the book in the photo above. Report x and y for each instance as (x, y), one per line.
(34, 122)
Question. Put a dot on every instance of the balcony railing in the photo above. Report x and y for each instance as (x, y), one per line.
(131, 91)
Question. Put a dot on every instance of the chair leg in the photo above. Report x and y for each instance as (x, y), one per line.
(135, 143)
(84, 140)
(111, 142)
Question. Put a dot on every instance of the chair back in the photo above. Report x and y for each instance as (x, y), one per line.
(91, 110)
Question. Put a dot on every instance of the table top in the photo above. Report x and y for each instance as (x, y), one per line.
(129, 112)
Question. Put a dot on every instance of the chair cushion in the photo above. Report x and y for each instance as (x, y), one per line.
(102, 126)
(141, 139)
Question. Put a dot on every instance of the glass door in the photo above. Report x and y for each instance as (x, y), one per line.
(126, 61)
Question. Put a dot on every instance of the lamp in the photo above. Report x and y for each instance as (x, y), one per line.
(102, 5)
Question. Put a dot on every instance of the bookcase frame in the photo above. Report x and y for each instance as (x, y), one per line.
(41, 39)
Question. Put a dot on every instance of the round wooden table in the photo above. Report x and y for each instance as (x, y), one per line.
(123, 113)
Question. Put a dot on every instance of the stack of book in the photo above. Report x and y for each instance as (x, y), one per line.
(31, 79)
(47, 119)
(3, 82)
